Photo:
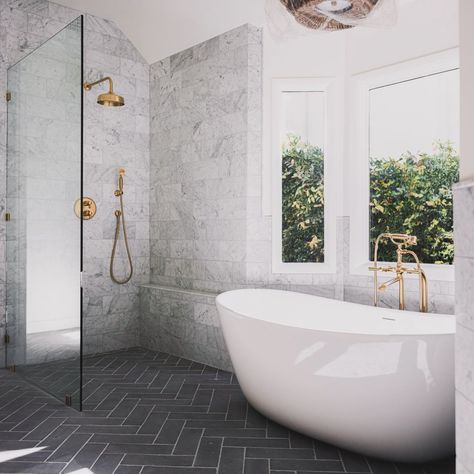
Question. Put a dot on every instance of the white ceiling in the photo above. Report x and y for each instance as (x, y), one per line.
(159, 28)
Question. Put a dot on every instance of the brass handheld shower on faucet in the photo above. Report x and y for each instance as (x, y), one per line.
(120, 221)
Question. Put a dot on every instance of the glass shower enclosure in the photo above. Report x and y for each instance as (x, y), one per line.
(43, 233)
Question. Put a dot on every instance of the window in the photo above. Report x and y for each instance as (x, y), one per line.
(300, 227)
(414, 162)
(405, 167)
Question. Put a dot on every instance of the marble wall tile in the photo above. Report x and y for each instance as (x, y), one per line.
(113, 139)
(463, 231)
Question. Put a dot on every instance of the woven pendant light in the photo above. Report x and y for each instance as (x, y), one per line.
(323, 14)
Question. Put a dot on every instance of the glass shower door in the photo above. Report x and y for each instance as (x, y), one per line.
(43, 233)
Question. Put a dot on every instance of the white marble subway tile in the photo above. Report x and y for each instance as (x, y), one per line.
(465, 291)
(464, 429)
(464, 219)
(102, 26)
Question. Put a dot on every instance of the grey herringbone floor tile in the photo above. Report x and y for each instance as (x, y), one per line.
(151, 413)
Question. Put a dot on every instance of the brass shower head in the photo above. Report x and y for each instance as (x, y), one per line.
(110, 99)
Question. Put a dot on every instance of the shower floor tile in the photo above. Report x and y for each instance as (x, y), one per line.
(151, 413)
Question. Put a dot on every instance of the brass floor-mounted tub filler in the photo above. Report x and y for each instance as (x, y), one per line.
(400, 269)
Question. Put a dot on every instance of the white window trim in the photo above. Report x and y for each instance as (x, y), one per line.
(357, 165)
(330, 174)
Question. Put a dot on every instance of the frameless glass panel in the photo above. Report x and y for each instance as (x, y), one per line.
(414, 161)
(302, 140)
(44, 156)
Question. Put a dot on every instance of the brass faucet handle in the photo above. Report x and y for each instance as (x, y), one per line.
(387, 268)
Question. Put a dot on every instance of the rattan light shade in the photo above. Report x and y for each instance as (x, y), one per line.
(306, 13)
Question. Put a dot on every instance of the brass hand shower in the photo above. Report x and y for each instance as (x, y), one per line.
(120, 220)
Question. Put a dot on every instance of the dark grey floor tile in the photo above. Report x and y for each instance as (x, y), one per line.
(111, 430)
(201, 425)
(106, 463)
(210, 423)
(140, 448)
(44, 429)
(123, 409)
(237, 409)
(122, 469)
(298, 440)
(231, 461)
(410, 469)
(256, 466)
(153, 424)
(57, 437)
(274, 430)
(234, 433)
(170, 432)
(219, 402)
(326, 451)
(255, 419)
(202, 398)
(382, 467)
(86, 456)
(11, 435)
(157, 460)
(306, 465)
(188, 441)
(138, 415)
(279, 453)
(13, 467)
(67, 450)
(208, 452)
(122, 439)
(177, 470)
(354, 462)
(257, 442)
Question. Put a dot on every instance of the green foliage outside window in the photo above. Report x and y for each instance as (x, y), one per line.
(303, 202)
(412, 195)
(409, 194)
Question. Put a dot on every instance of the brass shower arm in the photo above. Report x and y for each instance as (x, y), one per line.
(89, 85)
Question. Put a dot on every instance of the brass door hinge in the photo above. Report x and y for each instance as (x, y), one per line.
(6, 338)
(8, 216)
(8, 96)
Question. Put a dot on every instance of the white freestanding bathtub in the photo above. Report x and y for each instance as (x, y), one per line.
(376, 381)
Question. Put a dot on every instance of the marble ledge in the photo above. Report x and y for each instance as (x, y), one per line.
(468, 183)
(174, 289)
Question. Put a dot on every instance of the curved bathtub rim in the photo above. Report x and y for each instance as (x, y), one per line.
(416, 316)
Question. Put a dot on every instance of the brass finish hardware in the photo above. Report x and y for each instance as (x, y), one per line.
(89, 208)
(8, 216)
(8, 96)
(6, 338)
(110, 99)
(400, 240)
(120, 221)
(68, 400)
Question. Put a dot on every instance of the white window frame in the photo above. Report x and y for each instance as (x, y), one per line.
(357, 163)
(326, 86)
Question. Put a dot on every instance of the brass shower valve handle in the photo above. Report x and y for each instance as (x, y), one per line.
(85, 208)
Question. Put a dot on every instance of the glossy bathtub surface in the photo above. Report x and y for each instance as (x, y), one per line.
(375, 381)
